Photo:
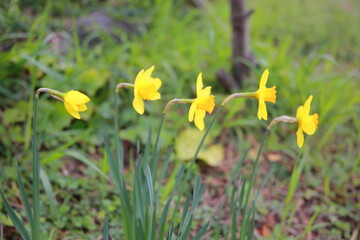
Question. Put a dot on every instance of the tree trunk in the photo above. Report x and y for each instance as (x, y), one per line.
(241, 56)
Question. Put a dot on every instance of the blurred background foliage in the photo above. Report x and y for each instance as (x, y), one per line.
(310, 47)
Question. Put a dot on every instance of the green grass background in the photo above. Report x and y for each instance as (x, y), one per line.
(310, 47)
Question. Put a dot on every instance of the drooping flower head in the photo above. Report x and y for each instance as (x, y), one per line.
(307, 123)
(264, 94)
(203, 103)
(145, 88)
(74, 102)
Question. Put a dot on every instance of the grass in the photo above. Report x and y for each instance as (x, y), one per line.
(310, 48)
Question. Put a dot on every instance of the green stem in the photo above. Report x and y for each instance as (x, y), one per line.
(244, 228)
(187, 176)
(57, 93)
(36, 174)
(119, 150)
(155, 158)
(239, 95)
(177, 101)
(124, 85)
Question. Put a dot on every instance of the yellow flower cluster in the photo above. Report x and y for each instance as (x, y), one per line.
(146, 89)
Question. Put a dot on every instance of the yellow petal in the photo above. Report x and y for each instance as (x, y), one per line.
(192, 111)
(139, 76)
(72, 109)
(156, 82)
(148, 72)
(300, 137)
(262, 113)
(205, 92)
(199, 85)
(155, 96)
(76, 97)
(199, 119)
(300, 112)
(307, 105)
(308, 125)
(138, 104)
(264, 78)
(82, 107)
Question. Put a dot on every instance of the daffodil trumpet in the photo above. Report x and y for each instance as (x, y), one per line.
(74, 101)
(263, 94)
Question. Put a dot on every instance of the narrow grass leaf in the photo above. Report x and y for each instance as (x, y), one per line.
(138, 195)
(152, 230)
(147, 146)
(18, 223)
(236, 172)
(170, 232)
(202, 231)
(48, 190)
(79, 156)
(119, 181)
(266, 179)
(155, 158)
(186, 233)
(245, 223)
(36, 174)
(25, 199)
(106, 228)
(241, 196)
(43, 67)
(163, 172)
(118, 144)
(185, 211)
(198, 192)
(187, 176)
(252, 225)
(149, 184)
(164, 214)
(233, 212)
(311, 221)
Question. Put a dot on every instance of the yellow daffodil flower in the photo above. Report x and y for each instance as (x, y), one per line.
(307, 123)
(145, 88)
(74, 102)
(263, 94)
(203, 103)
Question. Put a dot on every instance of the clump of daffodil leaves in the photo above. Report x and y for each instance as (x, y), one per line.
(74, 101)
